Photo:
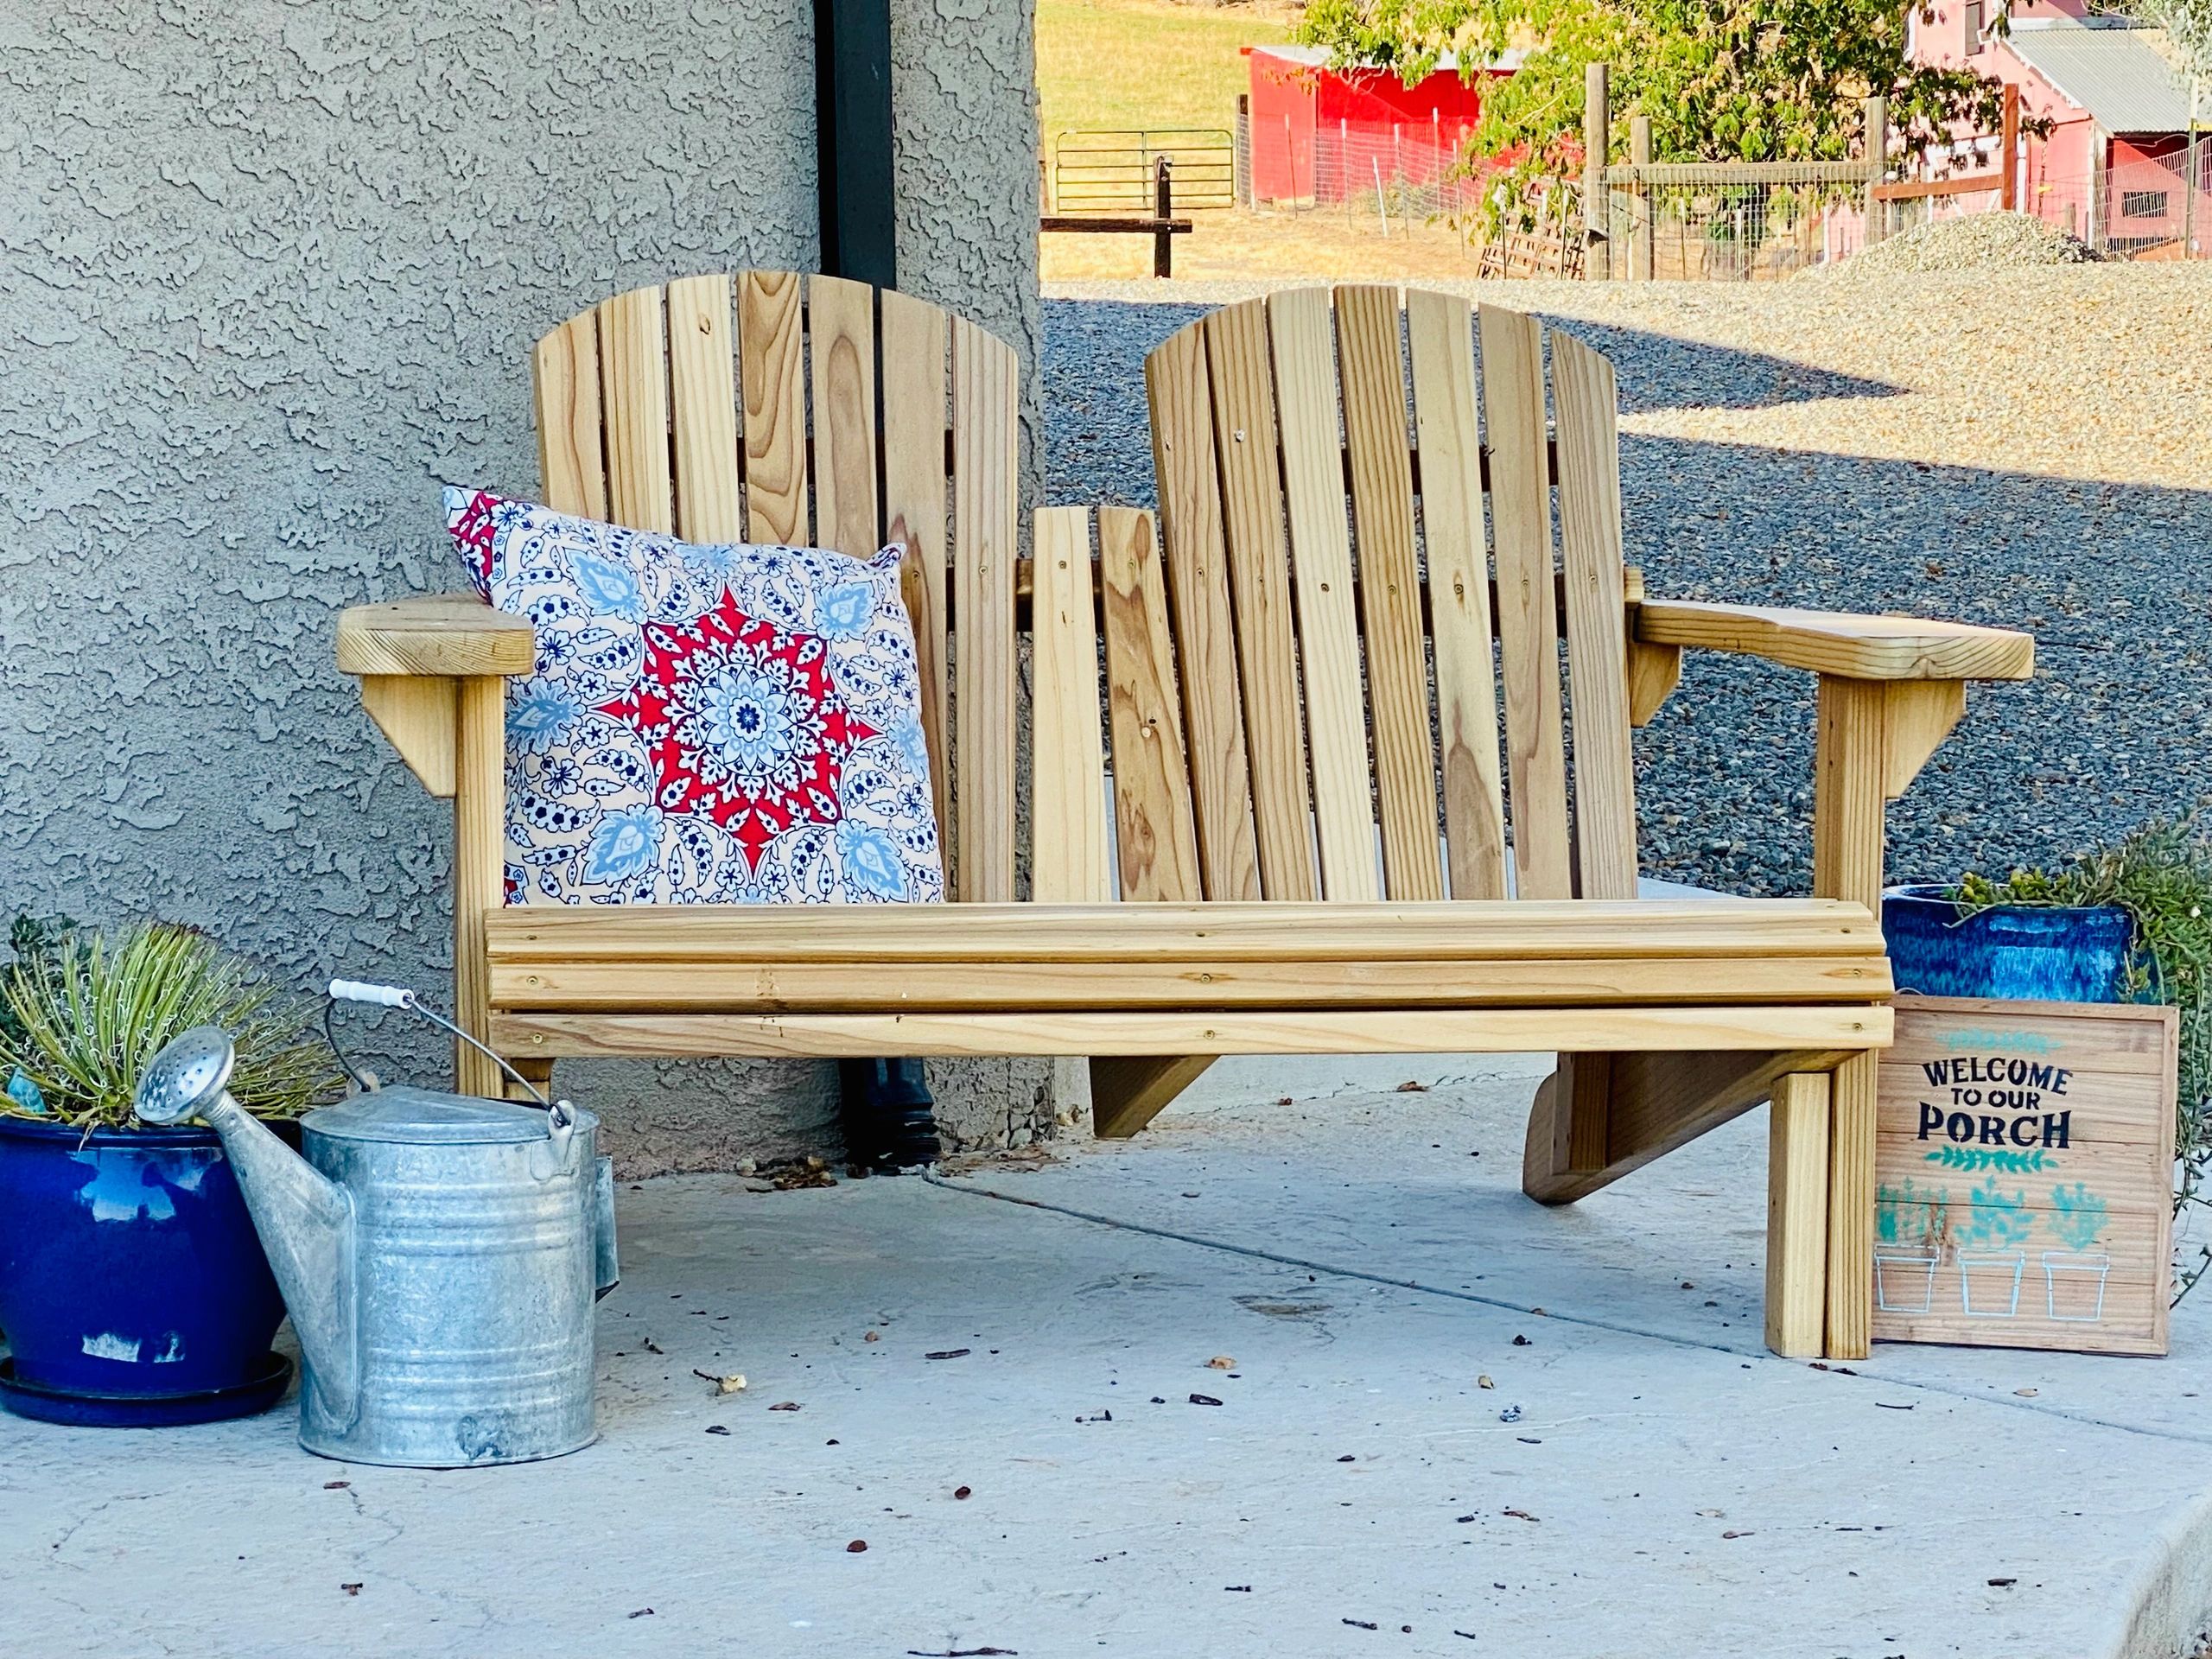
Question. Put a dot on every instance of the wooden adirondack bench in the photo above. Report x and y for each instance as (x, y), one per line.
(1290, 862)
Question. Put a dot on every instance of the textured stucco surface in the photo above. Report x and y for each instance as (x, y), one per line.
(270, 272)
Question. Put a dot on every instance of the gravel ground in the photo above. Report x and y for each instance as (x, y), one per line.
(1979, 242)
(2021, 447)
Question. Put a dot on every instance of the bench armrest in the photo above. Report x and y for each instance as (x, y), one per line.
(1830, 642)
(429, 666)
(444, 635)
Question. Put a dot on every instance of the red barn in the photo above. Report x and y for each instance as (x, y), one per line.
(1319, 134)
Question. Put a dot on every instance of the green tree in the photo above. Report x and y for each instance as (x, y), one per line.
(1753, 80)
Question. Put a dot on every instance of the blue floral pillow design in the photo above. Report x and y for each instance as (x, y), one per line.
(706, 725)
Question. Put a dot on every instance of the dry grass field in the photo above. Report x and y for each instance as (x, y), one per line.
(1125, 64)
(1237, 246)
(1118, 64)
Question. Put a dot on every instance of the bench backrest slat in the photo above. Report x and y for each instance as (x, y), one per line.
(702, 388)
(1185, 462)
(1439, 330)
(633, 385)
(1584, 399)
(1528, 622)
(812, 410)
(1301, 332)
(1259, 580)
(1370, 354)
(1067, 797)
(1338, 450)
(914, 343)
(772, 370)
(841, 361)
(1155, 830)
(986, 402)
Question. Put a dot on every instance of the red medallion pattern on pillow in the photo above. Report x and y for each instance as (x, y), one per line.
(738, 724)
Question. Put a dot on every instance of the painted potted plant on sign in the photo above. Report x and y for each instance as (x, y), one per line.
(133, 1289)
(1910, 1226)
(2073, 1277)
(1989, 1254)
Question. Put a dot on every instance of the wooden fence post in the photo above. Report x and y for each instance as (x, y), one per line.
(1240, 153)
(1640, 238)
(1597, 194)
(1877, 164)
(2008, 190)
(1163, 207)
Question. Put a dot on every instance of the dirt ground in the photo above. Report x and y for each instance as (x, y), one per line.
(1240, 245)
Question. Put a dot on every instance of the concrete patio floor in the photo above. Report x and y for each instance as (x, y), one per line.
(1404, 1457)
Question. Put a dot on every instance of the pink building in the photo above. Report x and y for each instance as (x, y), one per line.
(2115, 165)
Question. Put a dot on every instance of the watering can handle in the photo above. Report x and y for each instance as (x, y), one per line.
(357, 990)
(399, 996)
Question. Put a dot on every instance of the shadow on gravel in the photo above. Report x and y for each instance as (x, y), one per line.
(2114, 580)
(1094, 383)
(1671, 373)
(2111, 579)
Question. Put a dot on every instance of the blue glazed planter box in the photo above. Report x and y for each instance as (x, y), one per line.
(2024, 953)
(130, 1270)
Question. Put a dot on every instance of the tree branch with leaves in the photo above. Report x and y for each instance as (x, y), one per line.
(1751, 80)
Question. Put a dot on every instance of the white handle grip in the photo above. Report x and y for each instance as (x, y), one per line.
(355, 990)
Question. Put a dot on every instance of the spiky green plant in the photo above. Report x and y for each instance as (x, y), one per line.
(87, 1015)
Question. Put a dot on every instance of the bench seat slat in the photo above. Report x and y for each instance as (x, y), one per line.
(1465, 930)
(1824, 1033)
(740, 986)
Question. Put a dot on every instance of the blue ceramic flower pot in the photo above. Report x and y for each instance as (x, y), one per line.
(2030, 953)
(133, 1289)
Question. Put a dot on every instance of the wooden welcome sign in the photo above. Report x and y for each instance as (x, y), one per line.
(2024, 1175)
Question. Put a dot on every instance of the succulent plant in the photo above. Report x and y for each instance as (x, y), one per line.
(85, 1013)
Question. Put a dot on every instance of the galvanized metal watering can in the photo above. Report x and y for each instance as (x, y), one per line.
(439, 1254)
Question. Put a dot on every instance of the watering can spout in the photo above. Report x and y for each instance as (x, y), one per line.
(305, 1220)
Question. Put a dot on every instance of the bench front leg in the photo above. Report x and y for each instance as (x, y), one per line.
(479, 841)
(1874, 737)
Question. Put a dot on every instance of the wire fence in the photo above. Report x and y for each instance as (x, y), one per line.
(1753, 231)
(2145, 207)
(1392, 176)
(1702, 222)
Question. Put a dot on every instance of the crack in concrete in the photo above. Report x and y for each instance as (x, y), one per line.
(92, 1515)
(1759, 1355)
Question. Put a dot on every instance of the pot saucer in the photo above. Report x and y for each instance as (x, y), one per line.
(272, 1375)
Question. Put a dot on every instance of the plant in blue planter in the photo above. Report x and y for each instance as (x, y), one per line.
(2130, 923)
(133, 1289)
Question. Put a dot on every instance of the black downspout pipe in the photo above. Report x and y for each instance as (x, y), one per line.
(852, 103)
(884, 1104)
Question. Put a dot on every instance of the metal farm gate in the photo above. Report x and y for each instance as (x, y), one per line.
(1103, 172)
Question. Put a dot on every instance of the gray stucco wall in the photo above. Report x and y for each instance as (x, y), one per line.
(268, 273)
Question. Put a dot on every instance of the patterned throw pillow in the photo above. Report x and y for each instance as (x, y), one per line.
(706, 725)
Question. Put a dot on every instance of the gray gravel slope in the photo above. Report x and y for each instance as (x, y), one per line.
(2115, 577)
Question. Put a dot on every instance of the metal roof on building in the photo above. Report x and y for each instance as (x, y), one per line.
(2118, 75)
